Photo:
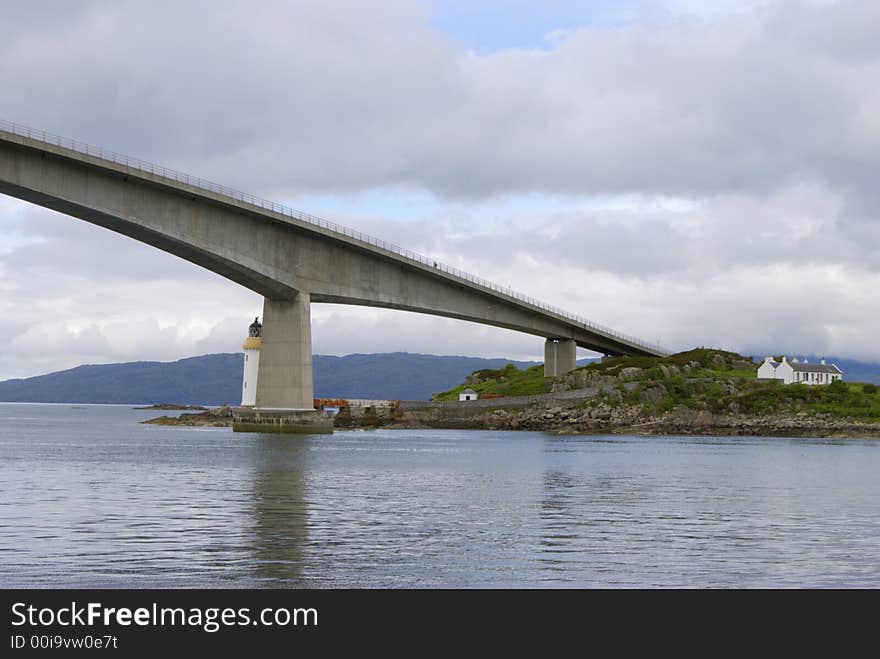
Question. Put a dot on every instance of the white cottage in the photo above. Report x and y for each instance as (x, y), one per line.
(794, 371)
(468, 394)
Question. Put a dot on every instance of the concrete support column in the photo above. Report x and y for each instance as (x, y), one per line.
(284, 381)
(559, 357)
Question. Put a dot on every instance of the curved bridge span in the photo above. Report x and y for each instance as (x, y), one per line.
(289, 257)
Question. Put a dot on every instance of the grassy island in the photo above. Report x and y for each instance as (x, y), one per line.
(715, 380)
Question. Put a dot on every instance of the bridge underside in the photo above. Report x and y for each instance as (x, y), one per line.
(289, 261)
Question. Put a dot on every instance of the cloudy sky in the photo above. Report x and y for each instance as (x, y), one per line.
(693, 172)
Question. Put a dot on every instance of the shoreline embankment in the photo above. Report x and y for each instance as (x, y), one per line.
(571, 412)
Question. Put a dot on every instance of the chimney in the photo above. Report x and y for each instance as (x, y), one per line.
(784, 361)
(823, 361)
(794, 360)
(806, 361)
(768, 359)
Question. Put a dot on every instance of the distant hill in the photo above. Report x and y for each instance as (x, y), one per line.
(216, 379)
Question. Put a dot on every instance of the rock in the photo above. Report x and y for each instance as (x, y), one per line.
(704, 418)
(601, 412)
(580, 379)
(629, 373)
(718, 360)
(654, 394)
(682, 415)
(172, 406)
(217, 418)
(742, 364)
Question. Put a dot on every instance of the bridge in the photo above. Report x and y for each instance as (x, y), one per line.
(291, 258)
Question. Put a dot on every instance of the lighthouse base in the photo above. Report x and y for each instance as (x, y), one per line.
(301, 422)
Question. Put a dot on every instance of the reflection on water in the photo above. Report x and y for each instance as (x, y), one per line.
(89, 497)
(280, 508)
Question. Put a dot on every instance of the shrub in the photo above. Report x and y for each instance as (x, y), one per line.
(838, 385)
(868, 388)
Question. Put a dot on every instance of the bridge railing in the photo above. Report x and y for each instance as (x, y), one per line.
(180, 177)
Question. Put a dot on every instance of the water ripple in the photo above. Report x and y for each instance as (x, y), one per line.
(91, 498)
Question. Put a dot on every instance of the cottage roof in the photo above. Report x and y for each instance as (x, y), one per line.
(468, 391)
(800, 367)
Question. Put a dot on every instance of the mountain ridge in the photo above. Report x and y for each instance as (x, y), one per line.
(215, 379)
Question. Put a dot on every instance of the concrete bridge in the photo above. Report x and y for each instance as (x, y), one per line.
(289, 257)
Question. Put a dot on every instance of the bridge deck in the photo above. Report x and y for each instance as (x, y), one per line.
(621, 342)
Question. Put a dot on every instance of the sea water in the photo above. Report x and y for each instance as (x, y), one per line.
(89, 496)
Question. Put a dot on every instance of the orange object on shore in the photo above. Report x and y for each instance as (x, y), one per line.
(329, 402)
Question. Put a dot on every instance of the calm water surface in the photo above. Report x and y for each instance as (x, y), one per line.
(89, 497)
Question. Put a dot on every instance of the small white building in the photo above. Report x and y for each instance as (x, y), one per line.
(468, 394)
(251, 364)
(795, 371)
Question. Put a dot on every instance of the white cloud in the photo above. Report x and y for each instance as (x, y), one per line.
(707, 180)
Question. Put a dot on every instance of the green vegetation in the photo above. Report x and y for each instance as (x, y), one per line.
(507, 381)
(703, 379)
(840, 399)
(701, 362)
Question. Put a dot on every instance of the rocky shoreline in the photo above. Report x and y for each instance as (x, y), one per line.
(172, 406)
(700, 392)
(220, 417)
(577, 418)
(626, 420)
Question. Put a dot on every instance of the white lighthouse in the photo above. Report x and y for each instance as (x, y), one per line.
(251, 364)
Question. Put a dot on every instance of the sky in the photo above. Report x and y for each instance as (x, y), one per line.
(693, 173)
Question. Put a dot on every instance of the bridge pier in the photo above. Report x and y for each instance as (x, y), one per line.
(559, 356)
(284, 381)
(285, 394)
